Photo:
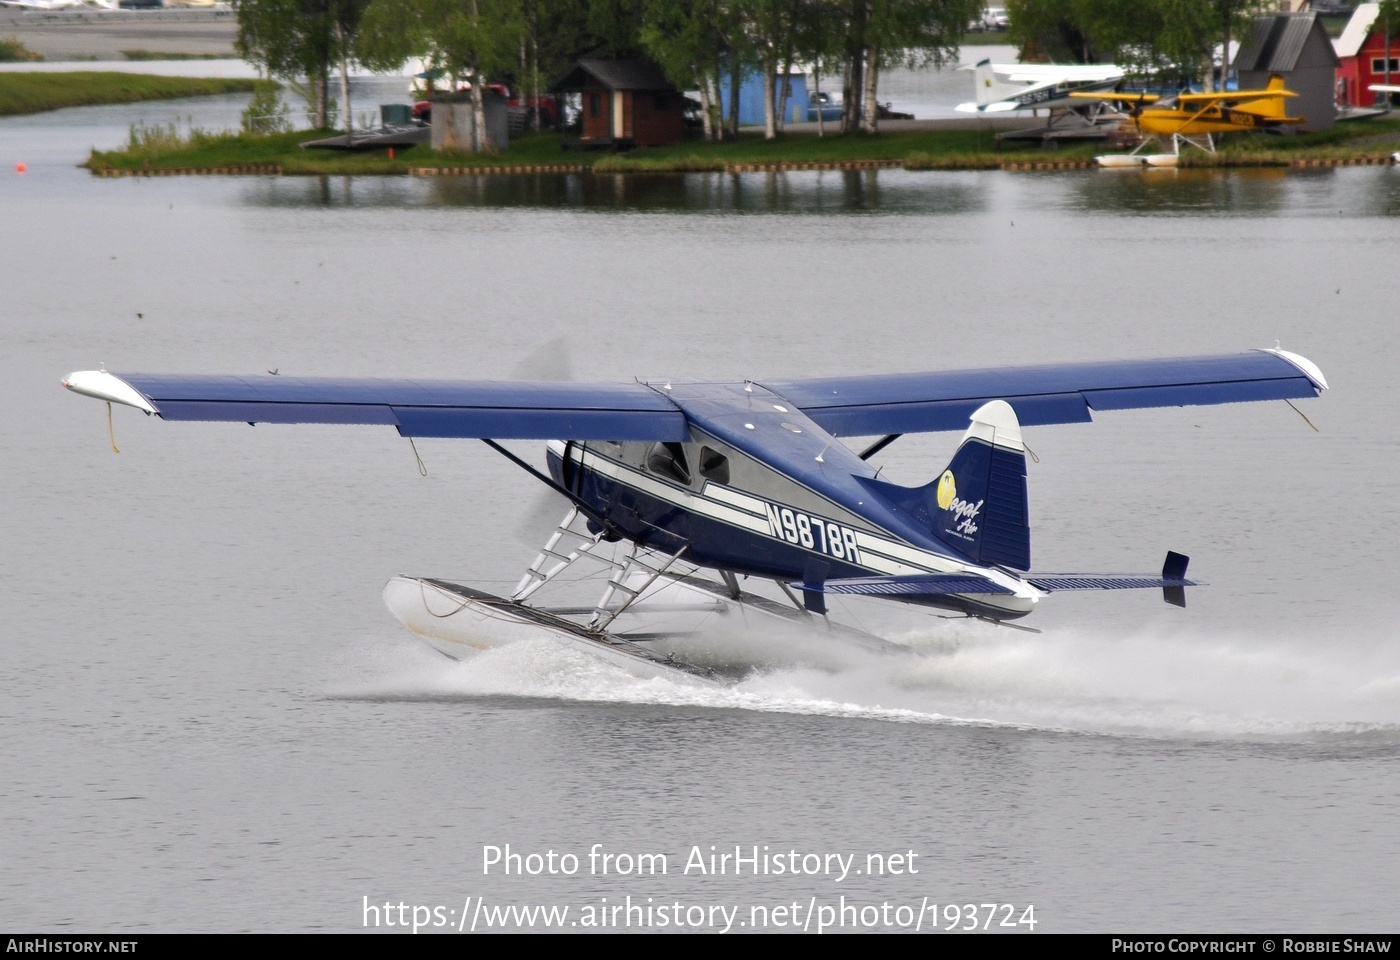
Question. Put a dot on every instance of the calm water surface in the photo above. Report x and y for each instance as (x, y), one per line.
(210, 722)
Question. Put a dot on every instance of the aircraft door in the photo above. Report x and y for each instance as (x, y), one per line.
(571, 473)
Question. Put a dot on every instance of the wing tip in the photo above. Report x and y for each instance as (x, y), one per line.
(101, 385)
(1308, 368)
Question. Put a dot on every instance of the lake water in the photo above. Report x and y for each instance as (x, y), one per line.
(211, 723)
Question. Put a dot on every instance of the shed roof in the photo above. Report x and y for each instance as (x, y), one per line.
(1278, 41)
(615, 75)
(1358, 28)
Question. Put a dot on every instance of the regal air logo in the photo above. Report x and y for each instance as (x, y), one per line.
(947, 489)
(963, 522)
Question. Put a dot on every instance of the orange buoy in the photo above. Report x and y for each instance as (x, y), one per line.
(20, 168)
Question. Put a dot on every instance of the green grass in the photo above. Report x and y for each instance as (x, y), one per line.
(13, 51)
(172, 148)
(202, 150)
(158, 55)
(1358, 138)
(36, 92)
(987, 38)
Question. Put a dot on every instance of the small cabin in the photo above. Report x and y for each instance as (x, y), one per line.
(1296, 47)
(1362, 51)
(626, 103)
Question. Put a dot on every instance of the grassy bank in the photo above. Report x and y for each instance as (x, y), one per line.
(170, 149)
(35, 92)
(12, 51)
(200, 150)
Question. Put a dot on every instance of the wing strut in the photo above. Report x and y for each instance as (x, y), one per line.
(573, 498)
(879, 445)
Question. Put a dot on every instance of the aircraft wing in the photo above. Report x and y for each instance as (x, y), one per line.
(996, 106)
(1234, 96)
(876, 405)
(1122, 97)
(503, 410)
(845, 406)
(1053, 72)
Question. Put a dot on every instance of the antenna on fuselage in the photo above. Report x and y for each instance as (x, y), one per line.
(679, 367)
(821, 457)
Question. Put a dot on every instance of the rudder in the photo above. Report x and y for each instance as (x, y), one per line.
(978, 505)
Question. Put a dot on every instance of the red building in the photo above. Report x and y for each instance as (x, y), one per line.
(625, 103)
(1361, 49)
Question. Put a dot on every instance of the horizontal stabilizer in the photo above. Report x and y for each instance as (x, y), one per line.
(1172, 581)
(923, 585)
(1058, 582)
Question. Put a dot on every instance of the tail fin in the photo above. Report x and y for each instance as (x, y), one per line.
(1275, 107)
(989, 88)
(978, 505)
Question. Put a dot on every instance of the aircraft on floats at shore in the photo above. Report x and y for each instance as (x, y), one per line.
(1004, 87)
(746, 478)
(1195, 119)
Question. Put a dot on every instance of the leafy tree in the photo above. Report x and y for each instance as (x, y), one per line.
(1087, 31)
(472, 40)
(302, 38)
(690, 40)
(885, 33)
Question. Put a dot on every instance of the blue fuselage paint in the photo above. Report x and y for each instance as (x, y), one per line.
(790, 499)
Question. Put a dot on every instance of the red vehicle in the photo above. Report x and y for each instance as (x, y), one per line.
(548, 107)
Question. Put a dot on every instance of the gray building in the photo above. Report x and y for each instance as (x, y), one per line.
(1296, 47)
(454, 120)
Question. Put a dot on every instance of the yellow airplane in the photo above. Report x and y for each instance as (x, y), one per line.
(1194, 118)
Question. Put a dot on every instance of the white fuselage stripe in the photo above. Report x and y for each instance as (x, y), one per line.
(736, 508)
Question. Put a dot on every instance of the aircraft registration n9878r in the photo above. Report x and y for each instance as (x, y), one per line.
(748, 478)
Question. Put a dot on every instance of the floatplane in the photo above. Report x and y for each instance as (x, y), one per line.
(1006, 88)
(1195, 119)
(745, 479)
(1002, 88)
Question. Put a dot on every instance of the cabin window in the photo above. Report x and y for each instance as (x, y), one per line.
(1378, 64)
(595, 105)
(714, 465)
(668, 460)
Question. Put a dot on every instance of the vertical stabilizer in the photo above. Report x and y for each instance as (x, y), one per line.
(980, 499)
(1274, 107)
(989, 88)
(978, 505)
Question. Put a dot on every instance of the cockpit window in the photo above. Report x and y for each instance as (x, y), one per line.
(668, 460)
(714, 465)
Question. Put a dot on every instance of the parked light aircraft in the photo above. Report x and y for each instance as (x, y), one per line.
(1001, 88)
(1195, 119)
(748, 478)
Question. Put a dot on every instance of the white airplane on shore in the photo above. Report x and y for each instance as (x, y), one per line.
(1002, 88)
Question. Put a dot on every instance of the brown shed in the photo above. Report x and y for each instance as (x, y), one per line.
(625, 103)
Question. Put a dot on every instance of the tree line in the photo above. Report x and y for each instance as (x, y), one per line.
(710, 45)
(1169, 41)
(702, 45)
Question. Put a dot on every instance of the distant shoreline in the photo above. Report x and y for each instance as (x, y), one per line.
(103, 35)
(920, 145)
(23, 93)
